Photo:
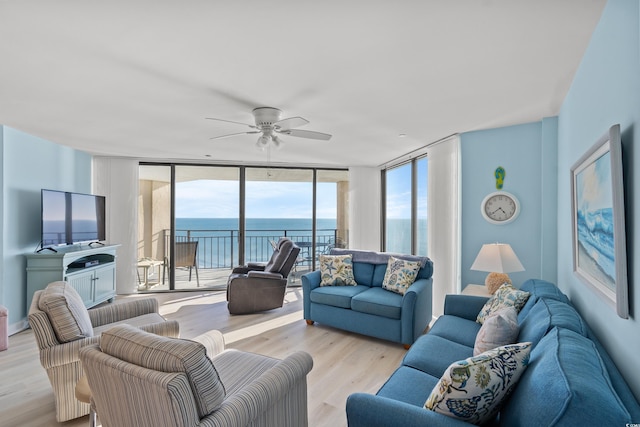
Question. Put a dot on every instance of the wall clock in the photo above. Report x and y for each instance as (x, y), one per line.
(500, 207)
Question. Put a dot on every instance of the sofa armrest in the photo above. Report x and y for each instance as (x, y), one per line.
(213, 342)
(367, 410)
(263, 393)
(124, 310)
(311, 280)
(416, 310)
(465, 306)
(69, 352)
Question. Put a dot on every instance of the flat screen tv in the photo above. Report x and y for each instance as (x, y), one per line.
(69, 218)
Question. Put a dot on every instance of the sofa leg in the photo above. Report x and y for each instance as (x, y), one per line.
(406, 346)
(310, 322)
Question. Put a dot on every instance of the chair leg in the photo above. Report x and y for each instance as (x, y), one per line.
(92, 418)
(197, 277)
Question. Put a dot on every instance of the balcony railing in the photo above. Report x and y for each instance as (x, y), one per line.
(219, 248)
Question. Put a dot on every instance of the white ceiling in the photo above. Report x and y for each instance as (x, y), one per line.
(137, 78)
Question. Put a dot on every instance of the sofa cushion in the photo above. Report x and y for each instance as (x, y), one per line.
(408, 385)
(164, 354)
(336, 296)
(456, 329)
(66, 311)
(474, 389)
(336, 270)
(433, 354)
(547, 313)
(500, 328)
(363, 273)
(505, 296)
(379, 302)
(568, 379)
(539, 289)
(400, 275)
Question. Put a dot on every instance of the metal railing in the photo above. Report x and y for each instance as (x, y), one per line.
(219, 248)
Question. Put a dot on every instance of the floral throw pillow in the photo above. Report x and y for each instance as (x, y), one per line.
(505, 296)
(336, 270)
(474, 389)
(400, 275)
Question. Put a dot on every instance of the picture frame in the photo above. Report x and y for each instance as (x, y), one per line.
(598, 221)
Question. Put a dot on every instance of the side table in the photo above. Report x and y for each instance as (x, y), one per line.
(477, 290)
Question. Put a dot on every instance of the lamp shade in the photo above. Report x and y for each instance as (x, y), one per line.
(498, 258)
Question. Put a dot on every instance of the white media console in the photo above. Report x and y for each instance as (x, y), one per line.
(91, 270)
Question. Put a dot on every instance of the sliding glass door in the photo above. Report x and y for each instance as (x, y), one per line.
(196, 222)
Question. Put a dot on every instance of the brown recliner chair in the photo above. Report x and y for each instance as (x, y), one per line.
(259, 287)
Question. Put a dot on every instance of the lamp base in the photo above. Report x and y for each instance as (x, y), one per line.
(495, 280)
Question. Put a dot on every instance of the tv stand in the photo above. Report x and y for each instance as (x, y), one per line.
(90, 271)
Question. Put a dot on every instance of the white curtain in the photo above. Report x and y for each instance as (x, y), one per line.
(443, 214)
(117, 179)
(364, 208)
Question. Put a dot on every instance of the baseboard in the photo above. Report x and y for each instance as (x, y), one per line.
(20, 326)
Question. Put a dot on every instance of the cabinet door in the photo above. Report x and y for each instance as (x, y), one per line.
(83, 283)
(105, 283)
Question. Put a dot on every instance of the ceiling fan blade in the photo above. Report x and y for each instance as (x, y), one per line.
(231, 121)
(234, 134)
(307, 134)
(291, 122)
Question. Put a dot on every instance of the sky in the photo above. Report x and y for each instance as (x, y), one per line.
(219, 199)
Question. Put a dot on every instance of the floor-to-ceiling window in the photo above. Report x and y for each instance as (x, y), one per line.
(405, 207)
(198, 221)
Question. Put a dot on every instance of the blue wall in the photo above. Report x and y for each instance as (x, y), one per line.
(605, 91)
(528, 154)
(28, 165)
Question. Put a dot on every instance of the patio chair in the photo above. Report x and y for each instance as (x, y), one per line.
(62, 326)
(187, 256)
(257, 287)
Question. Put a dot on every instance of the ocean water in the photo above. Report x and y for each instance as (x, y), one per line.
(595, 235)
(217, 237)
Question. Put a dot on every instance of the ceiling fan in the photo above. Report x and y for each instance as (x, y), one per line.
(270, 125)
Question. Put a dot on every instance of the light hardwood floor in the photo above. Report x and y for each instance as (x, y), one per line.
(344, 363)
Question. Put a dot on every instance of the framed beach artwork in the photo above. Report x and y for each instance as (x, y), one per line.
(599, 243)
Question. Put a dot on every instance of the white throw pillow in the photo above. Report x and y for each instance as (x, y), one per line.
(500, 328)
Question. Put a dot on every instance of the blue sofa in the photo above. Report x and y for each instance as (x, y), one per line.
(367, 308)
(570, 380)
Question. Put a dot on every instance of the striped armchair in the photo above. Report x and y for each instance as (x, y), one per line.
(139, 379)
(61, 359)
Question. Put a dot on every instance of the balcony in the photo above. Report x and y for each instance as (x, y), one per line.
(217, 254)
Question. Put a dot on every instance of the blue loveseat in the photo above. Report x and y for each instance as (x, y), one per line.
(570, 379)
(367, 308)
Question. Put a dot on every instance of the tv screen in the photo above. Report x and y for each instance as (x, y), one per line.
(69, 218)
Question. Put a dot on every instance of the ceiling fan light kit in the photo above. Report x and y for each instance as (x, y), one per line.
(269, 124)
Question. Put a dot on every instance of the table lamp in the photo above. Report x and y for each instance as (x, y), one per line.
(498, 259)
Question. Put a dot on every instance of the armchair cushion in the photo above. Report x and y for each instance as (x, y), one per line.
(66, 311)
(168, 355)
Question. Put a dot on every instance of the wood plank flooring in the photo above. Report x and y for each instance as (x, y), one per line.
(344, 363)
